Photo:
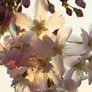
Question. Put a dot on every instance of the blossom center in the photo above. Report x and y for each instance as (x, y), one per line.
(39, 26)
(57, 49)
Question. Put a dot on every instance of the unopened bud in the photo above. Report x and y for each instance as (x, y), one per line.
(69, 11)
(80, 3)
(8, 14)
(78, 12)
(26, 3)
(51, 8)
(2, 6)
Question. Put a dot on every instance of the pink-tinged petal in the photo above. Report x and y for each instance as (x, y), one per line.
(29, 84)
(41, 80)
(48, 67)
(73, 49)
(89, 79)
(22, 20)
(68, 83)
(44, 51)
(55, 21)
(63, 34)
(52, 88)
(16, 72)
(69, 74)
(77, 78)
(6, 41)
(29, 62)
(84, 36)
(16, 80)
(86, 54)
(71, 61)
(57, 62)
(40, 10)
(26, 37)
(56, 79)
(11, 57)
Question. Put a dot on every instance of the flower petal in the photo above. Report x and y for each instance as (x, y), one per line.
(40, 10)
(70, 61)
(41, 80)
(22, 20)
(63, 34)
(57, 62)
(73, 49)
(55, 21)
(84, 36)
(16, 72)
(57, 81)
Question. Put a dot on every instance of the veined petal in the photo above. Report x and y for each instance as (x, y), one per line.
(63, 34)
(22, 20)
(55, 21)
(80, 48)
(44, 51)
(57, 62)
(40, 10)
(26, 37)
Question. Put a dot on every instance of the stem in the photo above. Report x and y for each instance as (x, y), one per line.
(10, 32)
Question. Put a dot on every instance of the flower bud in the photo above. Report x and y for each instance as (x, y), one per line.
(78, 12)
(80, 3)
(69, 11)
(8, 14)
(51, 8)
(2, 6)
(26, 3)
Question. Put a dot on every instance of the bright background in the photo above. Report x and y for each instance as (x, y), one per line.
(73, 21)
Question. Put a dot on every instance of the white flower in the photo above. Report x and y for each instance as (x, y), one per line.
(39, 24)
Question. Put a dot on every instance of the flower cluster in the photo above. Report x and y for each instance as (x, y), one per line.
(40, 60)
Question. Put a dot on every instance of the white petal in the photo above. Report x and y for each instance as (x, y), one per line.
(86, 54)
(74, 49)
(55, 21)
(41, 80)
(69, 74)
(22, 20)
(84, 36)
(56, 79)
(40, 10)
(57, 62)
(63, 34)
(70, 61)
